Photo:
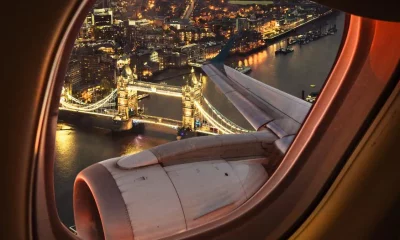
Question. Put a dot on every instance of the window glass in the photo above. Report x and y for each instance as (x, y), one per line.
(134, 78)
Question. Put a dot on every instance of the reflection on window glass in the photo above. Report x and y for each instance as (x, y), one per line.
(148, 77)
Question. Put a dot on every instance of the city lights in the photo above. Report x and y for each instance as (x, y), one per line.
(124, 51)
(146, 73)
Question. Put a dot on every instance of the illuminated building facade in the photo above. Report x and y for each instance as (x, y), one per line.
(147, 62)
(242, 24)
(192, 51)
(102, 20)
(73, 76)
(211, 50)
(102, 17)
(172, 60)
(178, 23)
(154, 57)
(94, 69)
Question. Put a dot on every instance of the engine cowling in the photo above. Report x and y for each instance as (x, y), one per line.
(148, 196)
(154, 201)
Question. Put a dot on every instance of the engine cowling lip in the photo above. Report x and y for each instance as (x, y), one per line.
(109, 202)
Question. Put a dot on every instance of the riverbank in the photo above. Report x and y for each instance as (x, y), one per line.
(286, 33)
(185, 70)
(279, 37)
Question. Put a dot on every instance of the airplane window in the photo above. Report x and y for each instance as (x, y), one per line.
(195, 104)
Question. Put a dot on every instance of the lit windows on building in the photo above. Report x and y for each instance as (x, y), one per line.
(102, 17)
(105, 32)
(154, 57)
(73, 76)
(211, 50)
(86, 33)
(192, 51)
(93, 69)
(139, 23)
(242, 24)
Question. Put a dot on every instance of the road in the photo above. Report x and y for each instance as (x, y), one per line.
(189, 10)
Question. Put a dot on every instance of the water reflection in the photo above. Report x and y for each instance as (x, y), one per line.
(254, 60)
(134, 146)
(65, 139)
(142, 142)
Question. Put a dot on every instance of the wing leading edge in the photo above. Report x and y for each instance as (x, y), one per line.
(260, 104)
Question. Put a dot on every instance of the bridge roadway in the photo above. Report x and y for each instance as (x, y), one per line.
(158, 88)
(148, 119)
(167, 122)
(209, 113)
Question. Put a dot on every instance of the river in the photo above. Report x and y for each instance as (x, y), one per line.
(77, 148)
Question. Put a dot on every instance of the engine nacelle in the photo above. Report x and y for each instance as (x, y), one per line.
(154, 201)
(144, 196)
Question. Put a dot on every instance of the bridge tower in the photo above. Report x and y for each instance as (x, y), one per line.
(127, 97)
(132, 96)
(191, 92)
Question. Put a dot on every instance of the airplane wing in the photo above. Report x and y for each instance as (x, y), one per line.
(261, 104)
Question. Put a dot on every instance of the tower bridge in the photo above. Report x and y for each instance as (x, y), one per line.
(122, 106)
(158, 88)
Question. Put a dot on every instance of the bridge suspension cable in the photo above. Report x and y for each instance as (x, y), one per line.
(90, 107)
(211, 120)
(70, 97)
(223, 118)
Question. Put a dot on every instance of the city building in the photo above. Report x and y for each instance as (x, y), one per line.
(139, 22)
(178, 23)
(256, 24)
(105, 32)
(86, 33)
(102, 17)
(211, 49)
(157, 39)
(73, 76)
(154, 57)
(94, 69)
(159, 21)
(102, 20)
(242, 24)
(144, 63)
(102, 4)
(172, 60)
(192, 51)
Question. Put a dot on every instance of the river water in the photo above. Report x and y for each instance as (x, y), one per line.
(77, 148)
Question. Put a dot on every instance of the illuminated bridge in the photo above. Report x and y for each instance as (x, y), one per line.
(158, 88)
(198, 113)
